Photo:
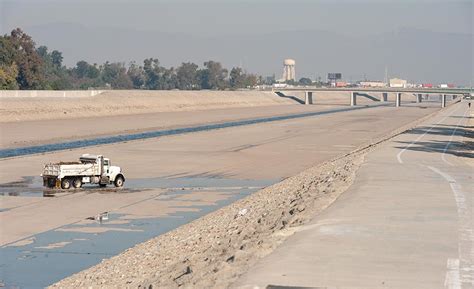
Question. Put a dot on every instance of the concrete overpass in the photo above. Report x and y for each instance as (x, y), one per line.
(310, 93)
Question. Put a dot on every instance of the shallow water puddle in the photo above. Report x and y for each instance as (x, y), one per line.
(42, 259)
(32, 186)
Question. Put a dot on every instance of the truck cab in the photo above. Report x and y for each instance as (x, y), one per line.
(111, 172)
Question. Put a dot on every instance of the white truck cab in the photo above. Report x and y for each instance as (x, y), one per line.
(93, 169)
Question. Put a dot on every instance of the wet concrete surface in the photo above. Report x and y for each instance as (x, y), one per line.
(49, 256)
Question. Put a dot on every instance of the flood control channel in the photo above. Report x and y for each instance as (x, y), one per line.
(47, 257)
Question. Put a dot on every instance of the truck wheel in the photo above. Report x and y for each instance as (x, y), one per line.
(49, 182)
(77, 183)
(65, 184)
(52, 183)
(118, 182)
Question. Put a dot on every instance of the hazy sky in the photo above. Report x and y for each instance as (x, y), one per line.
(214, 21)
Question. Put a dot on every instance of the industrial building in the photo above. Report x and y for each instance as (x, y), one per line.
(397, 82)
(372, 84)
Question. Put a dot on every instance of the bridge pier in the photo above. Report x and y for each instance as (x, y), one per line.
(443, 100)
(398, 100)
(308, 97)
(384, 97)
(353, 98)
(419, 98)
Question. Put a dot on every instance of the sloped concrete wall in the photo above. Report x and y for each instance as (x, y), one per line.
(48, 93)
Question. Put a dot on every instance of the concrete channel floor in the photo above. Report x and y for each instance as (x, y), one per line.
(406, 222)
(258, 152)
(35, 227)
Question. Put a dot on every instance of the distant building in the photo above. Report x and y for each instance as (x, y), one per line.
(397, 82)
(372, 84)
(446, 85)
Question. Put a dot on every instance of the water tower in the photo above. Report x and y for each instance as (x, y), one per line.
(289, 70)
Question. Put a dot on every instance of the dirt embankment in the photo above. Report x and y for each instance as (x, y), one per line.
(126, 102)
(215, 250)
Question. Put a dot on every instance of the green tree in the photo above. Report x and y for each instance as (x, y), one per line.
(8, 67)
(85, 75)
(8, 76)
(136, 75)
(57, 58)
(153, 72)
(168, 79)
(115, 74)
(7, 51)
(55, 76)
(202, 76)
(93, 72)
(82, 69)
(213, 76)
(291, 82)
(42, 52)
(305, 81)
(251, 80)
(28, 61)
(187, 76)
(237, 78)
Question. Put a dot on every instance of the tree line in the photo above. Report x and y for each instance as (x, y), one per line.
(25, 66)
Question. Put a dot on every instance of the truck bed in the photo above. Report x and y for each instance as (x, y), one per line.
(71, 169)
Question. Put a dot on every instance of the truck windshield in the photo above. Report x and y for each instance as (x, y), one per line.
(106, 162)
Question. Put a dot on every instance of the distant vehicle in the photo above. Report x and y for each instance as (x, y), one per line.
(92, 169)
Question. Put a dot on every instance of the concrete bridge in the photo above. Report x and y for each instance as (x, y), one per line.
(353, 92)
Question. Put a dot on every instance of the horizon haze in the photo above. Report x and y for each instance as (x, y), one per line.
(422, 41)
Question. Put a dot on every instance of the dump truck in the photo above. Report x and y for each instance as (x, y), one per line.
(90, 169)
